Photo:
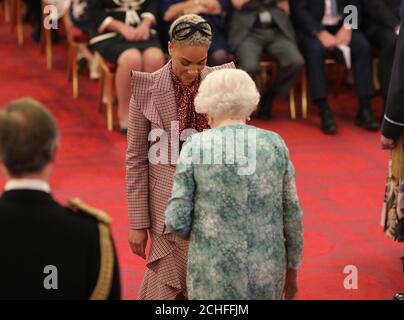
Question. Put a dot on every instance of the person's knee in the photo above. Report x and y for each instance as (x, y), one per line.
(153, 59)
(218, 57)
(130, 57)
(293, 60)
(251, 66)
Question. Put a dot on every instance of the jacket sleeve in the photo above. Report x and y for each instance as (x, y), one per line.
(137, 163)
(179, 211)
(303, 19)
(393, 122)
(292, 216)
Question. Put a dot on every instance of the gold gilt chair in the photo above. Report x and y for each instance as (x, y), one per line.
(62, 7)
(75, 38)
(269, 70)
(6, 8)
(340, 73)
(13, 14)
(106, 89)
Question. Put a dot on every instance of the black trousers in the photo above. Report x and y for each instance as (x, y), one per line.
(34, 11)
(385, 40)
(315, 54)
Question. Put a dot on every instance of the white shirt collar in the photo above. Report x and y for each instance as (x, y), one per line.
(30, 184)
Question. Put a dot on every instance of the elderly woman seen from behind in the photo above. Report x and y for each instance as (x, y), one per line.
(234, 196)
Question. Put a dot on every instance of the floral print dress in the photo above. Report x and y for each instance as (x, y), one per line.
(245, 226)
(393, 207)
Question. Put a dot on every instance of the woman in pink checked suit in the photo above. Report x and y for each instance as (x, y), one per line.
(161, 109)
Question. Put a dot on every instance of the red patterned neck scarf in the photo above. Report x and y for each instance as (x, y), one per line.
(184, 98)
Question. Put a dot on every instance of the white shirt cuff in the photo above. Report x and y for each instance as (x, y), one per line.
(150, 16)
(104, 24)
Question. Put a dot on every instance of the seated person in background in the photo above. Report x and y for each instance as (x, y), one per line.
(264, 26)
(78, 18)
(381, 24)
(212, 11)
(320, 27)
(48, 251)
(34, 16)
(122, 33)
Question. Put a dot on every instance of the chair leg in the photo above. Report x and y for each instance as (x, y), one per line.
(101, 89)
(20, 26)
(48, 47)
(69, 61)
(264, 77)
(376, 75)
(75, 76)
(110, 103)
(341, 74)
(42, 40)
(12, 15)
(7, 16)
(292, 103)
(304, 94)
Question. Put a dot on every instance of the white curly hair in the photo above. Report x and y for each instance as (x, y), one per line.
(227, 92)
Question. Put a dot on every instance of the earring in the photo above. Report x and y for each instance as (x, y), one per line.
(248, 119)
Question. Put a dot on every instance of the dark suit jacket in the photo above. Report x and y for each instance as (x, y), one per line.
(37, 232)
(242, 22)
(393, 124)
(307, 15)
(381, 13)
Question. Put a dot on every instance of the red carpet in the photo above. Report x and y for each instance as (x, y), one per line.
(340, 179)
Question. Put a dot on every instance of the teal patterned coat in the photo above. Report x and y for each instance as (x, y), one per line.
(244, 229)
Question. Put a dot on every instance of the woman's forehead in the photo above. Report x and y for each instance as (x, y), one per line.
(192, 53)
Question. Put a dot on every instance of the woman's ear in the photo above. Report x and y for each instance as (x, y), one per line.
(210, 120)
(170, 47)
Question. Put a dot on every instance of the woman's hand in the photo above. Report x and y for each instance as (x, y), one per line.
(344, 36)
(238, 4)
(284, 6)
(290, 289)
(388, 144)
(140, 33)
(128, 32)
(327, 39)
(211, 6)
(198, 9)
(138, 241)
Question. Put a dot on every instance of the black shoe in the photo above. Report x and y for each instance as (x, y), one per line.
(365, 119)
(398, 296)
(124, 131)
(55, 36)
(265, 112)
(328, 124)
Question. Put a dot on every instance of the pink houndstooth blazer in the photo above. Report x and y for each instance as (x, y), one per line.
(152, 106)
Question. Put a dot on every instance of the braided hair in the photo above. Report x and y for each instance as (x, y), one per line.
(191, 29)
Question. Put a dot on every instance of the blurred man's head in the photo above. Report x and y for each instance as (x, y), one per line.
(28, 137)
